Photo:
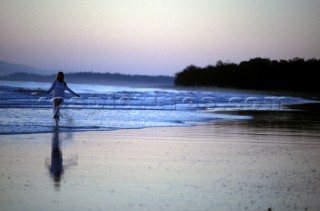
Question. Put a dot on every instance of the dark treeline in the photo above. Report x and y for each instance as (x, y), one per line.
(94, 78)
(258, 73)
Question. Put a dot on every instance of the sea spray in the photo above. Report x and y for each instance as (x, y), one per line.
(70, 122)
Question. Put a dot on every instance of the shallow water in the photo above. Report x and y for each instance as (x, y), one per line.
(26, 108)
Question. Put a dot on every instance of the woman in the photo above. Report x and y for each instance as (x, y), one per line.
(58, 88)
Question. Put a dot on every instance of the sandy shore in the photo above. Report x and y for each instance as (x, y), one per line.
(219, 166)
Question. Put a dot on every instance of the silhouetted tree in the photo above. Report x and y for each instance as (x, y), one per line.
(296, 74)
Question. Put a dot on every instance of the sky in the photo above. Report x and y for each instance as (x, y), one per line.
(154, 37)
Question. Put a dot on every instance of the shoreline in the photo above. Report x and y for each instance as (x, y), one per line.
(294, 111)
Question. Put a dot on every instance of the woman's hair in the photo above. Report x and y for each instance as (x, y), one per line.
(60, 76)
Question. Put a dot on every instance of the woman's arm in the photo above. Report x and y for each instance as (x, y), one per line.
(72, 92)
(51, 88)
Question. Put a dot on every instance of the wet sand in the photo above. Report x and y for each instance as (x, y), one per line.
(271, 162)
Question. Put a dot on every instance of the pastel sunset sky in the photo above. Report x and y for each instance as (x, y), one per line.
(154, 37)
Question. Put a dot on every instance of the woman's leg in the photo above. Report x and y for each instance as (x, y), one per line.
(56, 104)
(56, 107)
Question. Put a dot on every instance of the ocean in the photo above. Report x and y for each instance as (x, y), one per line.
(26, 108)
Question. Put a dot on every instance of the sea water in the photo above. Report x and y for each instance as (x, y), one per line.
(25, 107)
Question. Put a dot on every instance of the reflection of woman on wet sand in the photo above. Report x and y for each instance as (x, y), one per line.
(56, 166)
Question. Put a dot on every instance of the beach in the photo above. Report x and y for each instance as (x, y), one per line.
(122, 148)
(159, 105)
(271, 164)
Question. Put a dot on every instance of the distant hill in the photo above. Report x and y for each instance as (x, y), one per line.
(14, 72)
(8, 68)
